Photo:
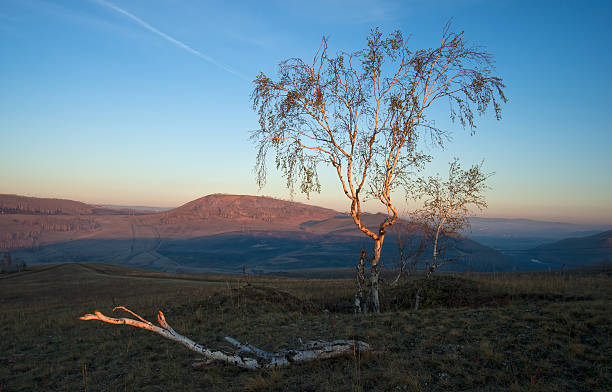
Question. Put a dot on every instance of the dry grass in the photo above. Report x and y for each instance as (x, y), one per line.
(542, 332)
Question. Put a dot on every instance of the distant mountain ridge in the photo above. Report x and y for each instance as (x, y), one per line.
(529, 227)
(138, 208)
(575, 252)
(217, 232)
(15, 204)
(511, 234)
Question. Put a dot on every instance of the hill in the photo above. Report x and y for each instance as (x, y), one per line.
(221, 213)
(519, 234)
(219, 233)
(248, 209)
(15, 204)
(575, 252)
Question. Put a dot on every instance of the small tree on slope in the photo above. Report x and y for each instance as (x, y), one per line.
(363, 113)
(445, 210)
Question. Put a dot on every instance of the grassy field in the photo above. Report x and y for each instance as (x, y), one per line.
(475, 332)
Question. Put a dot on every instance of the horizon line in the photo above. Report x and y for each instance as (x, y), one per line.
(146, 205)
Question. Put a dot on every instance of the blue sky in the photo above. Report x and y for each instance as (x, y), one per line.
(147, 102)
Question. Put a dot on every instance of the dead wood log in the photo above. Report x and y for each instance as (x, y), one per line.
(246, 355)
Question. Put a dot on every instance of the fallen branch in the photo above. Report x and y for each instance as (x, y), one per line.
(246, 356)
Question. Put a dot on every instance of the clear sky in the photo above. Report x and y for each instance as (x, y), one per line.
(146, 102)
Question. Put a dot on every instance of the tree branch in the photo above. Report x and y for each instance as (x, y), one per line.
(310, 351)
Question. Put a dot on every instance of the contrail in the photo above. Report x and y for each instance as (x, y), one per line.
(173, 40)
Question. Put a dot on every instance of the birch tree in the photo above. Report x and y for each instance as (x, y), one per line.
(446, 207)
(362, 114)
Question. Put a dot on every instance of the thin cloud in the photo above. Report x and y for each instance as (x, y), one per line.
(175, 41)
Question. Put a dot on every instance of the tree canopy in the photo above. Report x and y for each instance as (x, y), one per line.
(363, 114)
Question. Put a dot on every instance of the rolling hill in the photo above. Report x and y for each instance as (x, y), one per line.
(509, 235)
(574, 252)
(215, 233)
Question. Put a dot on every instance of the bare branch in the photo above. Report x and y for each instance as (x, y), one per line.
(310, 351)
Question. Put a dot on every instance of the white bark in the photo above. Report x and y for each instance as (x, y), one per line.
(358, 301)
(247, 356)
(374, 275)
(417, 298)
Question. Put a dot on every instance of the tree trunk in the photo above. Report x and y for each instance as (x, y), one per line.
(374, 276)
(359, 302)
(430, 270)
(434, 263)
